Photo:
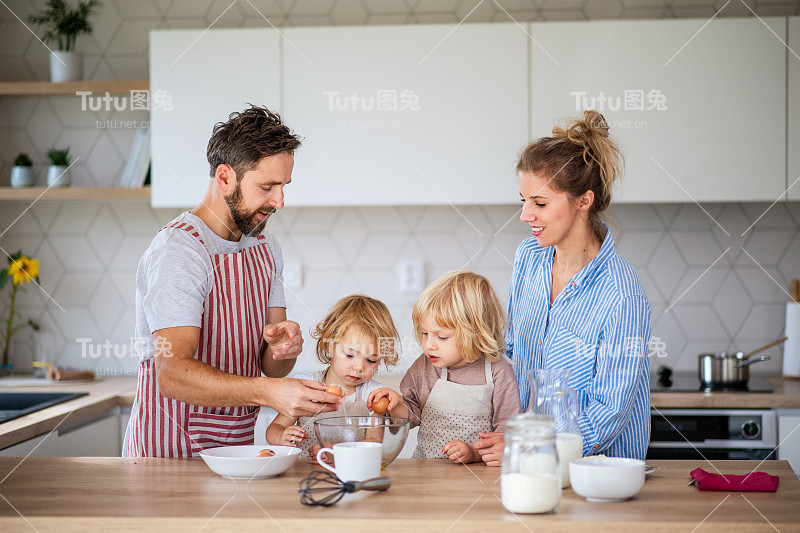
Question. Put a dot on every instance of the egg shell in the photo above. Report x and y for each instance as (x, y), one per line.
(381, 406)
(334, 389)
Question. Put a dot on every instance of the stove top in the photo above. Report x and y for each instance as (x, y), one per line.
(689, 382)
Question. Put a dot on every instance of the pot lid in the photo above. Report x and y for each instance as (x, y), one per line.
(723, 355)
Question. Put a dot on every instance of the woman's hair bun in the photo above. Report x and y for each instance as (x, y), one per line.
(584, 132)
(591, 134)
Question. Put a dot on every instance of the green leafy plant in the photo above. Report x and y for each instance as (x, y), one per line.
(21, 269)
(63, 24)
(22, 160)
(58, 158)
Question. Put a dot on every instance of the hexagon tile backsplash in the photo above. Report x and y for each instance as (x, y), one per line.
(703, 297)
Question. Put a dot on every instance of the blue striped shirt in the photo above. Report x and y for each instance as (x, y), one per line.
(599, 328)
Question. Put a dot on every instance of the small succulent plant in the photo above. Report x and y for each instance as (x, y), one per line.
(22, 160)
(58, 158)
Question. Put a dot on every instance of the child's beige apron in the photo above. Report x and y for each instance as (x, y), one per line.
(455, 412)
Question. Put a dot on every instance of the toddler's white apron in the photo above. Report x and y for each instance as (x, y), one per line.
(455, 412)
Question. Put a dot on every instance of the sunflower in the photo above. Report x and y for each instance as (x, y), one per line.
(23, 269)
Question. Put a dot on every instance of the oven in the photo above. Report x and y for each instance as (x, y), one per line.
(713, 434)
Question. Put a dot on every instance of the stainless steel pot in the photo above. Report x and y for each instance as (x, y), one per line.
(725, 370)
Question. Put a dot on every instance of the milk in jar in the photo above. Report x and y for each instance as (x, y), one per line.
(530, 473)
(569, 447)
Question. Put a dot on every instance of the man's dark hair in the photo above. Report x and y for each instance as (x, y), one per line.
(248, 137)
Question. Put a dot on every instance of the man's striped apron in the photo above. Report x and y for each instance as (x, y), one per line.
(234, 315)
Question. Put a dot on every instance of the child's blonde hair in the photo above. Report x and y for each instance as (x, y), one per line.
(369, 316)
(466, 302)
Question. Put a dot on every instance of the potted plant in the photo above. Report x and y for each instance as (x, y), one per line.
(22, 172)
(62, 25)
(21, 269)
(58, 173)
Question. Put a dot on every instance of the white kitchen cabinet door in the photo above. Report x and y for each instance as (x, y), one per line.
(720, 132)
(789, 438)
(97, 438)
(205, 76)
(424, 114)
(42, 446)
(794, 107)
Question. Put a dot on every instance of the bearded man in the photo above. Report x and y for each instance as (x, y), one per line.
(209, 293)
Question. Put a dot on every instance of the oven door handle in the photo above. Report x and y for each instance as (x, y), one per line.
(712, 444)
(728, 443)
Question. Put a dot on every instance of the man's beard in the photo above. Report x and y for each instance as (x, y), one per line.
(245, 222)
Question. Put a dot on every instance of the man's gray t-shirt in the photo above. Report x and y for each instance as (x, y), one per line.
(175, 275)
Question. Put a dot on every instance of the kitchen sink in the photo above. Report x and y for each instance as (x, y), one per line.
(16, 404)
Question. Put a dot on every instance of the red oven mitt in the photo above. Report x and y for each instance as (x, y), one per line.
(754, 482)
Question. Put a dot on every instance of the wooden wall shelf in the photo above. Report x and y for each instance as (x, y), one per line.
(35, 88)
(74, 193)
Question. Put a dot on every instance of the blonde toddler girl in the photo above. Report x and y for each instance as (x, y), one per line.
(462, 384)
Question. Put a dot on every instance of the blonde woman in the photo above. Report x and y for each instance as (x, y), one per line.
(461, 385)
(574, 302)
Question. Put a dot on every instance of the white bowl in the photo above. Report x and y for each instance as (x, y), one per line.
(606, 479)
(242, 462)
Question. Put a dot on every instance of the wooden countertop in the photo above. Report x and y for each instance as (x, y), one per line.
(127, 494)
(785, 395)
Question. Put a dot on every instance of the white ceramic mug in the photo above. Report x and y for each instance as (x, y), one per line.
(355, 461)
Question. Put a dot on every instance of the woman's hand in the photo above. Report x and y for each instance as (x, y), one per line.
(292, 435)
(490, 448)
(459, 451)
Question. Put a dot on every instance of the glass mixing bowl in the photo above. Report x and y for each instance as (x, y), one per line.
(392, 432)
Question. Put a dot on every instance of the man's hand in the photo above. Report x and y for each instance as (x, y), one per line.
(459, 451)
(490, 448)
(299, 397)
(285, 340)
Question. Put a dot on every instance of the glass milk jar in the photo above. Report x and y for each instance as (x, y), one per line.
(552, 396)
(530, 479)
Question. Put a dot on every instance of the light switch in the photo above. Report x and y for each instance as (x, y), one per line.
(293, 276)
(410, 276)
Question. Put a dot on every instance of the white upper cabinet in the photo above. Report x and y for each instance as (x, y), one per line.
(437, 114)
(712, 126)
(205, 75)
(794, 107)
(432, 114)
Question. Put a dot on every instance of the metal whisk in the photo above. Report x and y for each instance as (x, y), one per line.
(324, 488)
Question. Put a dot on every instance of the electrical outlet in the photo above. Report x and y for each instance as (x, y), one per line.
(410, 276)
(293, 276)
